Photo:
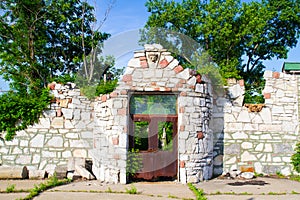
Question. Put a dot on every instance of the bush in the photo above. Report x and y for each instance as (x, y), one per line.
(296, 158)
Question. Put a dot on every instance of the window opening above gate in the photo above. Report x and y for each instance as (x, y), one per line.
(153, 104)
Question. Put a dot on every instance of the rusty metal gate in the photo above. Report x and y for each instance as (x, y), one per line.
(154, 136)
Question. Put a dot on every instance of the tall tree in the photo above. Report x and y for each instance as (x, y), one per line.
(238, 36)
(40, 40)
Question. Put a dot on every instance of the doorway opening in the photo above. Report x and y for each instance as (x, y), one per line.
(153, 136)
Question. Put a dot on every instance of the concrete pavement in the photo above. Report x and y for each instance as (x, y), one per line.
(216, 189)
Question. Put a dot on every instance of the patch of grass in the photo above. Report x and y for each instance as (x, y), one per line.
(172, 197)
(199, 193)
(216, 193)
(229, 193)
(295, 177)
(294, 192)
(280, 175)
(10, 188)
(132, 190)
(52, 182)
(109, 190)
(277, 193)
(245, 193)
(258, 174)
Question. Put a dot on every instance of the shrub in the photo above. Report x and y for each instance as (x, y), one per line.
(296, 158)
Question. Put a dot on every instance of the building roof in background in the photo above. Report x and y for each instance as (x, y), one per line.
(291, 67)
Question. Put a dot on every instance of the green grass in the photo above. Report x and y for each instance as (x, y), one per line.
(295, 178)
(52, 182)
(10, 188)
(172, 197)
(132, 190)
(277, 193)
(198, 192)
(294, 192)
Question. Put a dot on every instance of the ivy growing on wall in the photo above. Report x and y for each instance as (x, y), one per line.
(17, 111)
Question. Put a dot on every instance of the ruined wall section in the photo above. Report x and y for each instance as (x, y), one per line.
(262, 141)
(64, 131)
(154, 70)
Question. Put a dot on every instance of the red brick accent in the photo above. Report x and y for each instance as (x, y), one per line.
(182, 164)
(164, 63)
(182, 81)
(103, 98)
(58, 113)
(144, 64)
(153, 83)
(123, 92)
(51, 86)
(116, 156)
(267, 95)
(175, 89)
(181, 110)
(167, 89)
(178, 69)
(200, 135)
(179, 85)
(182, 128)
(276, 74)
(143, 58)
(127, 78)
(242, 82)
(113, 94)
(157, 89)
(122, 111)
(115, 140)
(183, 94)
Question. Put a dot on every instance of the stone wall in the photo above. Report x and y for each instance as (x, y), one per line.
(262, 141)
(154, 70)
(64, 131)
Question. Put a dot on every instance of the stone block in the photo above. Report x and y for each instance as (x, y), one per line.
(57, 122)
(81, 153)
(246, 156)
(55, 142)
(23, 160)
(67, 113)
(283, 148)
(233, 149)
(37, 141)
(247, 145)
(240, 135)
(268, 148)
(259, 147)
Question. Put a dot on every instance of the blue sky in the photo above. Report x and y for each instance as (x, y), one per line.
(131, 15)
(127, 17)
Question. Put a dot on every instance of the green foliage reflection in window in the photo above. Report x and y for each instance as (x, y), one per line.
(141, 130)
(153, 104)
(165, 133)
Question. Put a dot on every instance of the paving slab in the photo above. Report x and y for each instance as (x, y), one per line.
(161, 190)
(254, 189)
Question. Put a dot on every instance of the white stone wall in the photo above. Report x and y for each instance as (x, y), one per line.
(163, 74)
(265, 140)
(64, 131)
